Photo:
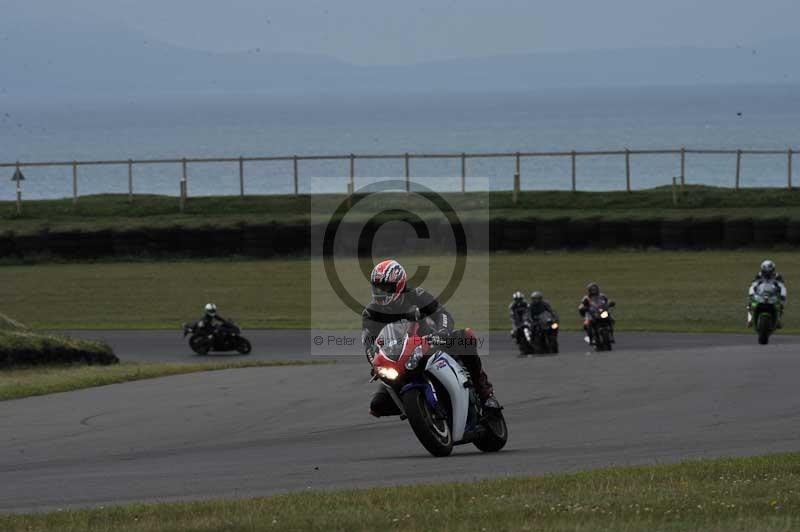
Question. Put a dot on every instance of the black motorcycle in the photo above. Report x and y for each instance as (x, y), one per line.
(601, 326)
(544, 334)
(523, 336)
(226, 337)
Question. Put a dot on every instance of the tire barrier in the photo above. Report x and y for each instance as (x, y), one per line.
(675, 234)
(793, 233)
(274, 239)
(518, 235)
(768, 233)
(552, 234)
(612, 234)
(580, 231)
(737, 233)
(706, 233)
(645, 233)
(258, 240)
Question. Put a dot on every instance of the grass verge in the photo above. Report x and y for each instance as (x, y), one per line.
(758, 493)
(21, 346)
(654, 290)
(27, 382)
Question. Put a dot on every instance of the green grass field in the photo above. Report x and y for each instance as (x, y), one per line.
(744, 494)
(114, 211)
(655, 290)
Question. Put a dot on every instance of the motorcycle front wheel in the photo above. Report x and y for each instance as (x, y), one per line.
(243, 346)
(603, 342)
(553, 344)
(495, 434)
(764, 328)
(433, 433)
(200, 344)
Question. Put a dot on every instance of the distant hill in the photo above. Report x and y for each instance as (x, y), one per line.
(39, 57)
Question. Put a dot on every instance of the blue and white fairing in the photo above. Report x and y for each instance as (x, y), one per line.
(453, 378)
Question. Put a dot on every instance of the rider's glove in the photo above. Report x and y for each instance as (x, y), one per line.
(370, 352)
(436, 339)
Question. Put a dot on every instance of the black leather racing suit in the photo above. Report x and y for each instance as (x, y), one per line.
(518, 312)
(214, 324)
(536, 309)
(434, 319)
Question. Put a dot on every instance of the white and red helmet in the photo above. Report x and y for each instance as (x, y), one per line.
(388, 280)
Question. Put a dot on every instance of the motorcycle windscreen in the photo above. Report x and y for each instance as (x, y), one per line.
(392, 338)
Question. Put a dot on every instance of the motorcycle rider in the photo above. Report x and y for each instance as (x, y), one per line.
(767, 273)
(211, 320)
(394, 300)
(539, 305)
(518, 311)
(593, 298)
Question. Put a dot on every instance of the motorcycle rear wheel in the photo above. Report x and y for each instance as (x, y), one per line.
(433, 434)
(764, 328)
(495, 436)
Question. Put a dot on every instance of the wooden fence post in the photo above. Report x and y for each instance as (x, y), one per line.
(674, 191)
(574, 187)
(352, 174)
(683, 165)
(463, 172)
(738, 167)
(627, 170)
(17, 175)
(408, 174)
(241, 176)
(130, 180)
(184, 174)
(296, 176)
(74, 183)
(789, 173)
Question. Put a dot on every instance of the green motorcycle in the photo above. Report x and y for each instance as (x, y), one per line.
(766, 308)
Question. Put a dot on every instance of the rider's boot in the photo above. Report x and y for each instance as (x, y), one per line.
(749, 319)
(587, 338)
(485, 390)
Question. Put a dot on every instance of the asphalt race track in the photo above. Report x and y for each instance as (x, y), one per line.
(257, 431)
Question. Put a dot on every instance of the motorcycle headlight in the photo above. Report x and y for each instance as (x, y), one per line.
(604, 314)
(388, 373)
(413, 360)
(554, 325)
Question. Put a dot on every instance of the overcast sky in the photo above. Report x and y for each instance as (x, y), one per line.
(408, 31)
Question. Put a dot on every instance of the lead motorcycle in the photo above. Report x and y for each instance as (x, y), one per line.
(544, 334)
(601, 326)
(765, 309)
(434, 392)
(227, 337)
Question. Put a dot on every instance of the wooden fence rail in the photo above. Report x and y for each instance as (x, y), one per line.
(516, 157)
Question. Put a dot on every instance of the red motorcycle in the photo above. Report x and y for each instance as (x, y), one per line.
(434, 392)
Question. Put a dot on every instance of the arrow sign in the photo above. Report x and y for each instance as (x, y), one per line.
(18, 175)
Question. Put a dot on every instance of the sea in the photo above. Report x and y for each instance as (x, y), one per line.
(208, 125)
